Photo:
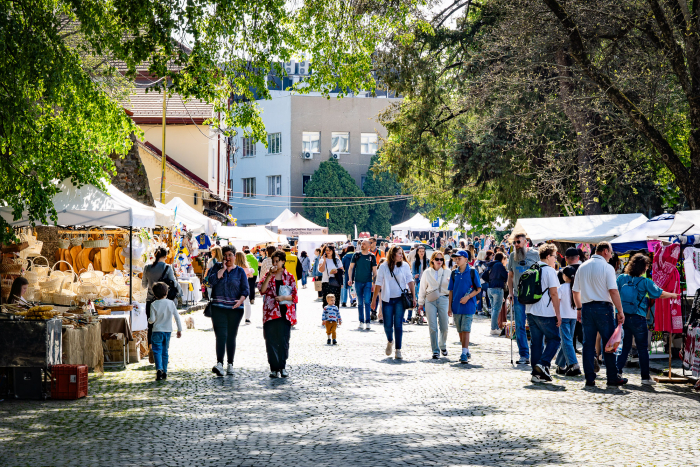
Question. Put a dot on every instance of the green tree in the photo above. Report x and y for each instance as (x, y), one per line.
(63, 64)
(332, 189)
(380, 183)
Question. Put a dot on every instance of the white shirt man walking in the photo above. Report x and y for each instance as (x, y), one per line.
(595, 292)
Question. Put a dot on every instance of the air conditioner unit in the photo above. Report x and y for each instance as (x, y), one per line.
(290, 68)
(304, 67)
(336, 156)
(307, 155)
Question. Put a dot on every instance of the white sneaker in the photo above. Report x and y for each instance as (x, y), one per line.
(495, 332)
(389, 346)
(229, 369)
(218, 370)
(397, 355)
(361, 327)
(367, 326)
(649, 382)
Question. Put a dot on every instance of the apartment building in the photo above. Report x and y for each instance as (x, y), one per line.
(302, 131)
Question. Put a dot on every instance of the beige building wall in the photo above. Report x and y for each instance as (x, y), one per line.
(316, 113)
(186, 145)
(176, 184)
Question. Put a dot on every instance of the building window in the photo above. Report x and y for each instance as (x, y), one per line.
(274, 185)
(340, 142)
(274, 143)
(369, 143)
(195, 198)
(363, 178)
(248, 147)
(311, 141)
(304, 180)
(249, 187)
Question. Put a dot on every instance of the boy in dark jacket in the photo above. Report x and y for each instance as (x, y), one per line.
(497, 277)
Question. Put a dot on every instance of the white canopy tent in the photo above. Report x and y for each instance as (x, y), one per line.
(578, 229)
(89, 206)
(299, 225)
(684, 223)
(249, 236)
(286, 214)
(163, 216)
(636, 239)
(309, 243)
(191, 218)
(417, 223)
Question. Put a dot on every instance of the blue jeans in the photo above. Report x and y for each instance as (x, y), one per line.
(393, 320)
(544, 334)
(304, 277)
(520, 332)
(635, 326)
(496, 297)
(364, 300)
(567, 353)
(410, 310)
(482, 298)
(344, 293)
(437, 315)
(597, 317)
(160, 341)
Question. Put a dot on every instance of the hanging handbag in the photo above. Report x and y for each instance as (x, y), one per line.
(435, 293)
(207, 310)
(406, 297)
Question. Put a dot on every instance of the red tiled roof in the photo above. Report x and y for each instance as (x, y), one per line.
(179, 167)
(147, 108)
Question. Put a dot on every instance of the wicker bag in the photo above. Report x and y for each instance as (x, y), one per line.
(77, 241)
(107, 292)
(34, 245)
(63, 243)
(100, 243)
(10, 268)
(87, 291)
(42, 271)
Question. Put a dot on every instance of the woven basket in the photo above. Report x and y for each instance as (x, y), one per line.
(42, 271)
(77, 241)
(33, 293)
(65, 298)
(63, 243)
(101, 243)
(140, 296)
(87, 291)
(108, 292)
(92, 277)
(34, 245)
(7, 268)
(15, 247)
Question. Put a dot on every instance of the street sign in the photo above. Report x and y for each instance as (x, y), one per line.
(436, 223)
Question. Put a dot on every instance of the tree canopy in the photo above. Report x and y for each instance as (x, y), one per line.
(332, 189)
(65, 67)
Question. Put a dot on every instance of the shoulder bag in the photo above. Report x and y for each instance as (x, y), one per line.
(406, 297)
(435, 293)
(172, 288)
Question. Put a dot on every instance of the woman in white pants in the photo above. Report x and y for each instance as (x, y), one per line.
(433, 297)
(242, 262)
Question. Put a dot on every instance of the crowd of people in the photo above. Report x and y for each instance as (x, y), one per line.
(562, 300)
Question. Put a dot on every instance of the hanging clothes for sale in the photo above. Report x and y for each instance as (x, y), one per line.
(668, 315)
(204, 242)
(691, 263)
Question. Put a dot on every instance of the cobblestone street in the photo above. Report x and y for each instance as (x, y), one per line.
(350, 405)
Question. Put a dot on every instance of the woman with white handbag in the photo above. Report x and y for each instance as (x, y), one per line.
(433, 297)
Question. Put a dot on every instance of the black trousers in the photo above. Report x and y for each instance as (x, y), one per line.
(277, 333)
(148, 316)
(251, 284)
(330, 289)
(225, 322)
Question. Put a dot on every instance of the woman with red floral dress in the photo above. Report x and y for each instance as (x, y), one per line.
(279, 291)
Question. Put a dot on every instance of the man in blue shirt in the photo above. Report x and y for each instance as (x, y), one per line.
(464, 286)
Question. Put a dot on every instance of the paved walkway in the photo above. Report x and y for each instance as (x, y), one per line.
(351, 405)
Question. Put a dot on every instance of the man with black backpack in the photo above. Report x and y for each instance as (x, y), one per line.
(464, 287)
(537, 289)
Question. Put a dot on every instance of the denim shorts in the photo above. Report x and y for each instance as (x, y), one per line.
(463, 323)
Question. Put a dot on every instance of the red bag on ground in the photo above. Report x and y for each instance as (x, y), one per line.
(614, 341)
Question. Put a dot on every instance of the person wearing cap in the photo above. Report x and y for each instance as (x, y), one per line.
(573, 256)
(464, 286)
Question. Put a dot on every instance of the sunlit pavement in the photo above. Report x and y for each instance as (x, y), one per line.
(350, 404)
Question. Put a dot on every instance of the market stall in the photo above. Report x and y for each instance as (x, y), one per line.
(250, 236)
(577, 229)
(286, 214)
(638, 238)
(309, 243)
(299, 225)
(195, 221)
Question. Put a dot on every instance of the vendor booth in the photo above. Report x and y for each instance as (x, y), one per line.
(250, 236)
(577, 229)
(684, 223)
(309, 243)
(286, 214)
(299, 225)
(195, 221)
(638, 238)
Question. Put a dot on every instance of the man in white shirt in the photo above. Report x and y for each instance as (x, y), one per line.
(544, 317)
(595, 292)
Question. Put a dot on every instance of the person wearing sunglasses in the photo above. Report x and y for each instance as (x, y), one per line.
(433, 298)
(519, 262)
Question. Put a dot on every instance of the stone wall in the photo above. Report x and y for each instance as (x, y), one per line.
(131, 177)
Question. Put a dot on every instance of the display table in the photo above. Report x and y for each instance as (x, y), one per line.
(188, 281)
(83, 346)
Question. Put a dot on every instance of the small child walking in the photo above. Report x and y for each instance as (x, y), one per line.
(331, 318)
(162, 313)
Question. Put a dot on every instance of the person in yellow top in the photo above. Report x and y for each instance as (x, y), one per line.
(292, 264)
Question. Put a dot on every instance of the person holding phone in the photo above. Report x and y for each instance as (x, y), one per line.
(332, 269)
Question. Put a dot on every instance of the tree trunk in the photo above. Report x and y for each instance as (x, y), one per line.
(583, 122)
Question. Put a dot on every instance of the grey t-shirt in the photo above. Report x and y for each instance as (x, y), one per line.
(531, 257)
